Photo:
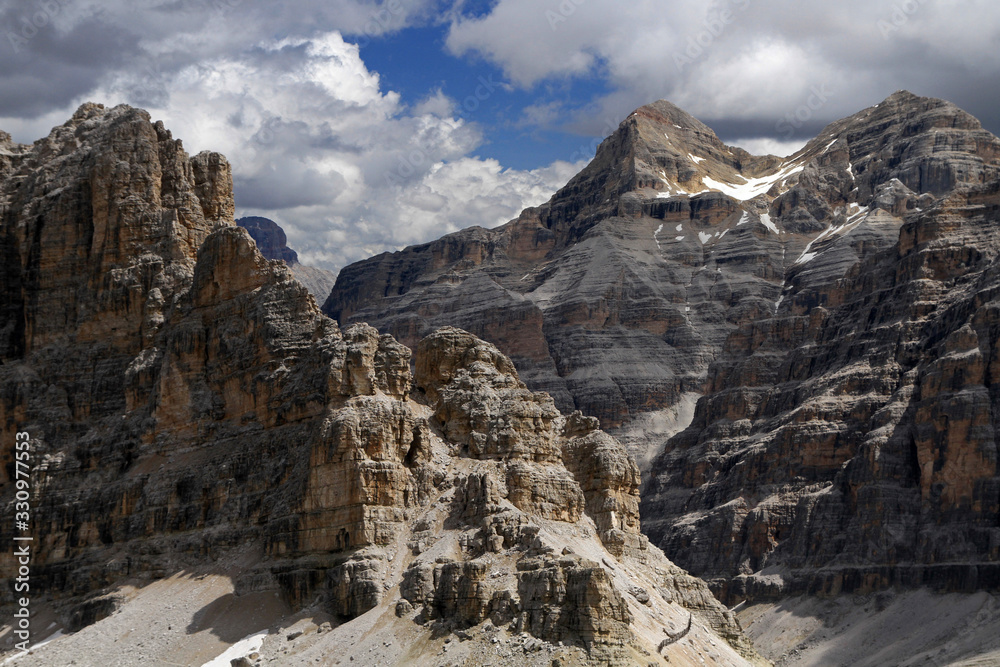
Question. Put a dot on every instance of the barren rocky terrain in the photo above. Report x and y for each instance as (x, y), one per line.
(787, 364)
(887, 628)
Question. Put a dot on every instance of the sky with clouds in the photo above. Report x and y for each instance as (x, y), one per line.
(367, 126)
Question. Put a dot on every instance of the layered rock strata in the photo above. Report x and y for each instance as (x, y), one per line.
(617, 294)
(610, 298)
(834, 308)
(187, 400)
(848, 442)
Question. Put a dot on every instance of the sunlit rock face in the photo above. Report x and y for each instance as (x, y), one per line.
(833, 309)
(189, 405)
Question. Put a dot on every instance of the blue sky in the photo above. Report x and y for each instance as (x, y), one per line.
(367, 125)
(416, 61)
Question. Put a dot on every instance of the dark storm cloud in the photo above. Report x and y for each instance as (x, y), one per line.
(53, 51)
(785, 127)
(49, 68)
(287, 185)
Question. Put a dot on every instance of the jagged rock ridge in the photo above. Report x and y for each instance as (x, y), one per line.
(834, 308)
(611, 299)
(187, 400)
(848, 443)
(617, 294)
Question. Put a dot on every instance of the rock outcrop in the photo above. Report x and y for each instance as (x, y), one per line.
(188, 403)
(269, 237)
(318, 281)
(835, 310)
(272, 243)
(849, 441)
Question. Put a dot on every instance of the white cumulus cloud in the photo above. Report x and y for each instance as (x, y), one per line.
(318, 145)
(742, 65)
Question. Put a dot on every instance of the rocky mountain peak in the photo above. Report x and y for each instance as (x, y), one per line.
(665, 241)
(148, 207)
(195, 417)
(273, 244)
(270, 238)
(665, 150)
(659, 149)
(796, 349)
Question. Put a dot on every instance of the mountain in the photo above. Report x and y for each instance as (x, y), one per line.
(610, 297)
(833, 315)
(618, 294)
(271, 241)
(270, 238)
(848, 442)
(219, 472)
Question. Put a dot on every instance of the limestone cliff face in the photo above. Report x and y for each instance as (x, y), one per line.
(101, 222)
(617, 294)
(609, 298)
(187, 400)
(835, 310)
(849, 441)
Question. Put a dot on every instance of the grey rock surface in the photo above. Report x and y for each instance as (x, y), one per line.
(834, 309)
(617, 294)
(190, 407)
(848, 442)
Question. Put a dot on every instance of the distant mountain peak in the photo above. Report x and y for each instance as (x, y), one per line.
(273, 244)
(270, 238)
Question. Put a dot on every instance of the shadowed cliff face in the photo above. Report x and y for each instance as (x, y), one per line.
(834, 308)
(850, 442)
(270, 238)
(187, 401)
